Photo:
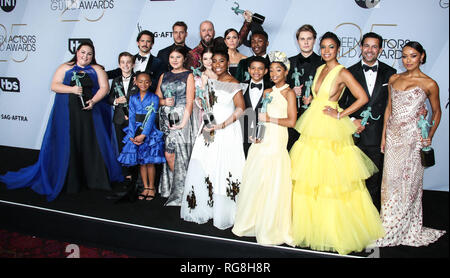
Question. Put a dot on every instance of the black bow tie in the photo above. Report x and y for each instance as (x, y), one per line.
(140, 58)
(253, 85)
(366, 68)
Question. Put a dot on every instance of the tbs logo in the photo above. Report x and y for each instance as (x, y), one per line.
(74, 43)
(10, 84)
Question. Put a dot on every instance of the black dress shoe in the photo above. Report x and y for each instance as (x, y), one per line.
(115, 195)
(129, 196)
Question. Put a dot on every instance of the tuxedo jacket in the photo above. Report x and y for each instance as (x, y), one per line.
(371, 136)
(308, 68)
(163, 55)
(120, 110)
(243, 68)
(249, 119)
(154, 68)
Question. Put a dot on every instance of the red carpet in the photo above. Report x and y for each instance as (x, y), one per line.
(15, 245)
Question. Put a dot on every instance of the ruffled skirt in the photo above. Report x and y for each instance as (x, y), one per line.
(151, 151)
(332, 209)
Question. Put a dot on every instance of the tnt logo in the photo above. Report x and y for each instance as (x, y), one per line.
(7, 5)
(10, 84)
(74, 43)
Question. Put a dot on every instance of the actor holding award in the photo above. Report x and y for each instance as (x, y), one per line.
(302, 71)
(402, 142)
(214, 174)
(332, 209)
(258, 68)
(78, 148)
(264, 206)
(373, 75)
(176, 91)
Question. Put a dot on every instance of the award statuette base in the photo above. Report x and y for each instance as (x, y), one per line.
(257, 18)
(83, 99)
(208, 119)
(427, 157)
(174, 119)
(138, 132)
(259, 132)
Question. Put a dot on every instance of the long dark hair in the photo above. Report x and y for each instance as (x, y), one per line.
(208, 49)
(419, 48)
(73, 61)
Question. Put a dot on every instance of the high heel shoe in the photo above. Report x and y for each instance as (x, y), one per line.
(143, 196)
(150, 197)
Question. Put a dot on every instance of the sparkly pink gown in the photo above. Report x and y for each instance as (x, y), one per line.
(401, 188)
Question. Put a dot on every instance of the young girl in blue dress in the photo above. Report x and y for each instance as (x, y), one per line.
(144, 144)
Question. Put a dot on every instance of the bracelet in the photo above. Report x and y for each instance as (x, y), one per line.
(223, 125)
(339, 115)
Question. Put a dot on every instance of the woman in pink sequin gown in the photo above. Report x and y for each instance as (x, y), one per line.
(401, 188)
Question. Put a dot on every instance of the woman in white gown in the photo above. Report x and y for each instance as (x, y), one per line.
(215, 169)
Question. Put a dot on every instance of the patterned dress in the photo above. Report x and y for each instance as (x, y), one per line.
(401, 188)
(215, 171)
(179, 142)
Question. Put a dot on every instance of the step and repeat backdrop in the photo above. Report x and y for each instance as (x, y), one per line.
(37, 36)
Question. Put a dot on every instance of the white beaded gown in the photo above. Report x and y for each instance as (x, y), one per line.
(402, 184)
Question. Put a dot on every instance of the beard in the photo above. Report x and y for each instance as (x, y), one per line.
(209, 43)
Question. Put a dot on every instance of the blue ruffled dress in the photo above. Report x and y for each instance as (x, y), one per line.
(152, 149)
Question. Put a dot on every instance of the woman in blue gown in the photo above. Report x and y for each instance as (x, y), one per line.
(78, 149)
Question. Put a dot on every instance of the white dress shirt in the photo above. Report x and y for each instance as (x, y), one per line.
(255, 93)
(371, 77)
(140, 66)
(126, 84)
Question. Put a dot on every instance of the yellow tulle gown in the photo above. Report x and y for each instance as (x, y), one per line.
(264, 202)
(332, 209)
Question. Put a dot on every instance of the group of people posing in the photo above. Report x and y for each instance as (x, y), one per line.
(263, 144)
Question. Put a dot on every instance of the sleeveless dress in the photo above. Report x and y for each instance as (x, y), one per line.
(332, 209)
(214, 175)
(78, 149)
(402, 184)
(264, 204)
(178, 141)
(151, 151)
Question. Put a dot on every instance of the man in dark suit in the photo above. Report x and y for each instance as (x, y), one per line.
(373, 75)
(306, 63)
(144, 60)
(179, 34)
(259, 43)
(258, 67)
(207, 34)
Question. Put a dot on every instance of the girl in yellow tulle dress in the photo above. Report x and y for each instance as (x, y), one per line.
(332, 209)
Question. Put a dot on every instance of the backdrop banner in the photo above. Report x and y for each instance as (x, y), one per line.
(37, 36)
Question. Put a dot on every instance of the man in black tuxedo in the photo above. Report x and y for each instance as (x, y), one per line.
(144, 60)
(306, 63)
(373, 75)
(179, 34)
(258, 68)
(259, 43)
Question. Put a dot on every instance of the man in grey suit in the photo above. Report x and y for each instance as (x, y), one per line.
(373, 75)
